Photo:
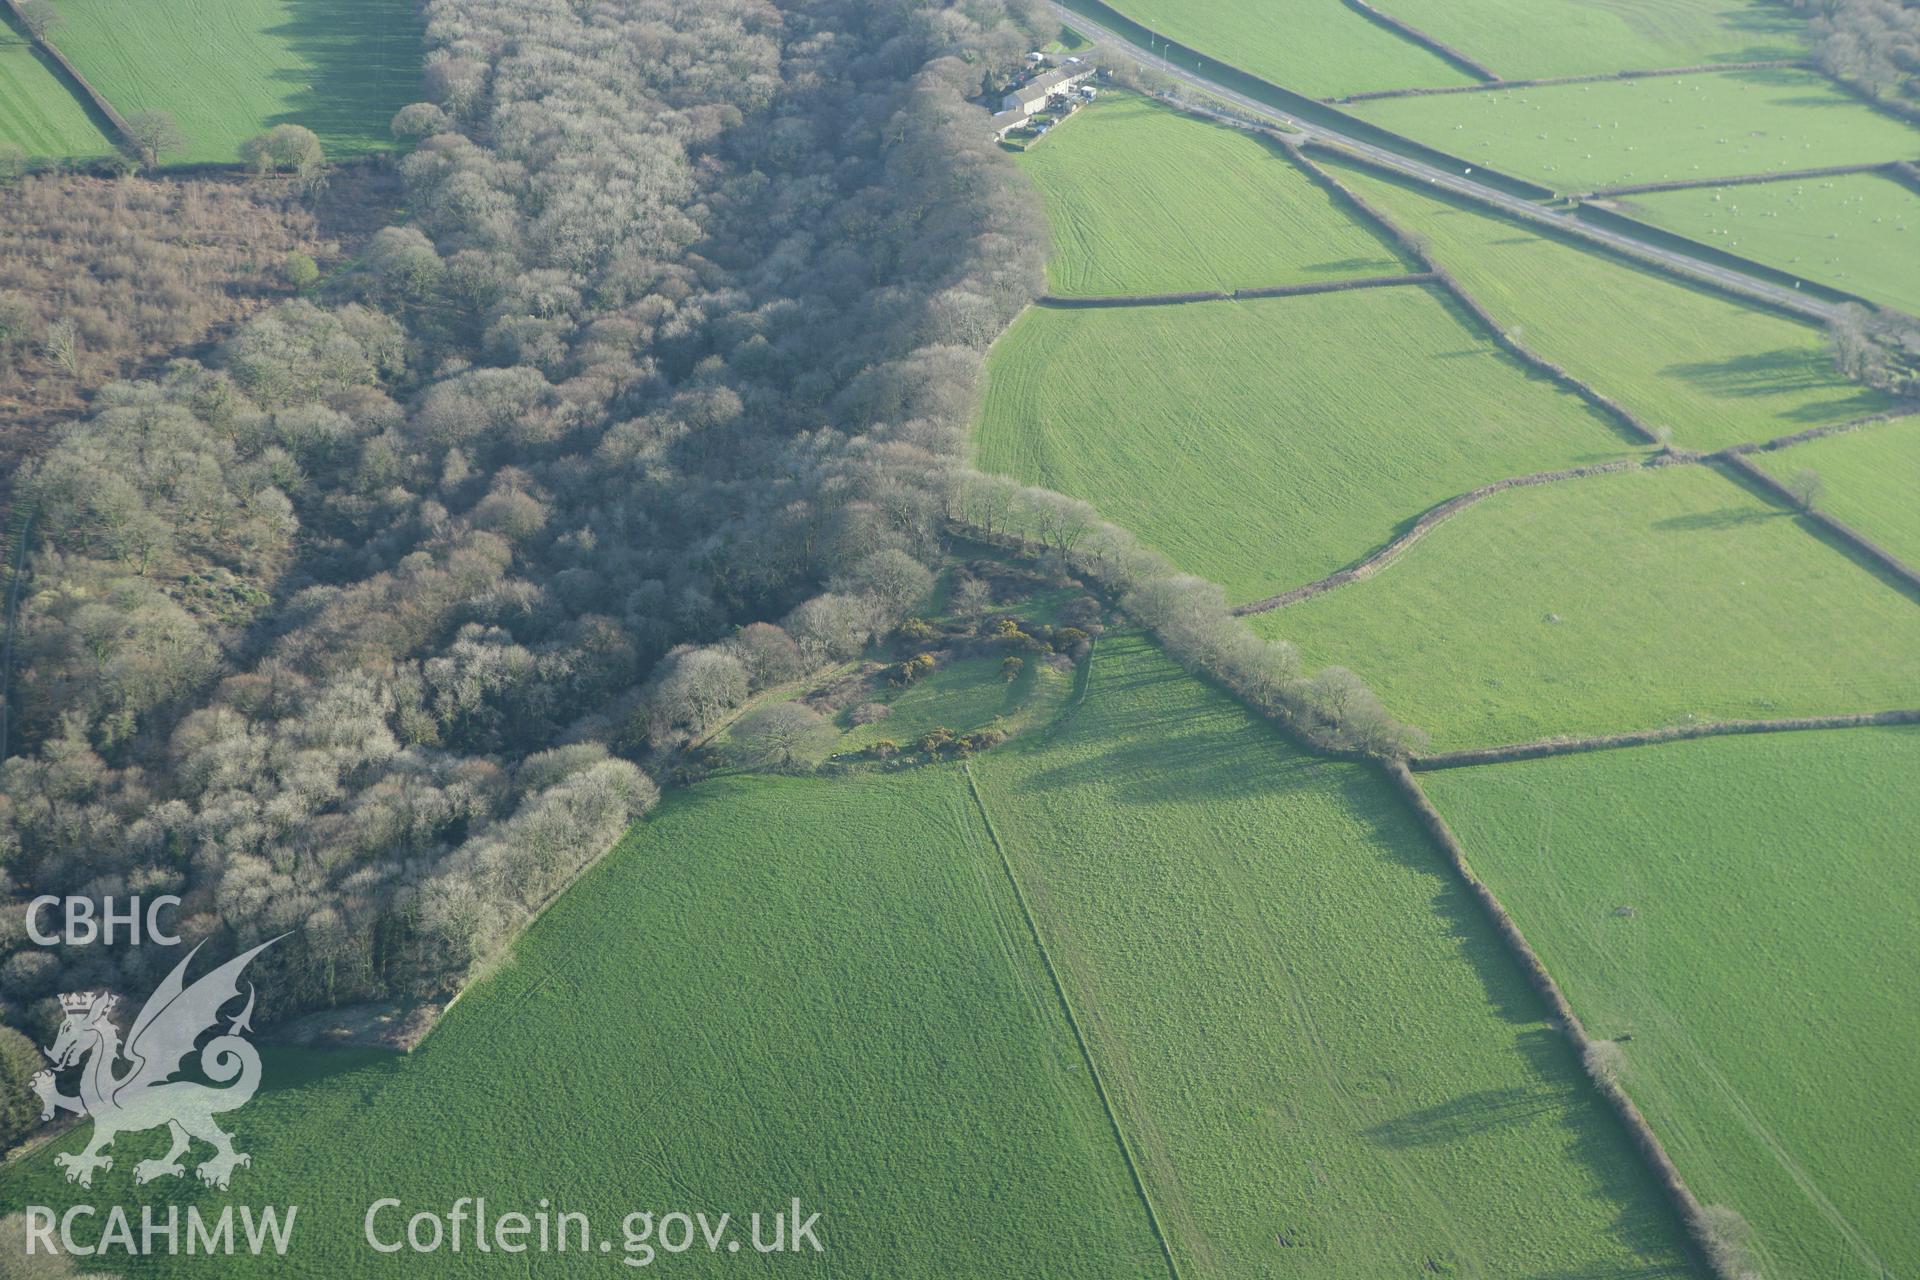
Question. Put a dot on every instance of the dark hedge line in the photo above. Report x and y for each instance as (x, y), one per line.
(1676, 733)
(1433, 44)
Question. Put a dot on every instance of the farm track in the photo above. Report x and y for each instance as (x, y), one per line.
(1071, 302)
(1460, 184)
(1652, 737)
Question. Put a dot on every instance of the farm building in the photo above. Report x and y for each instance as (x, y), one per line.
(1005, 122)
(1032, 96)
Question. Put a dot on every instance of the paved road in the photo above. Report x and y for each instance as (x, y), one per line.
(1462, 184)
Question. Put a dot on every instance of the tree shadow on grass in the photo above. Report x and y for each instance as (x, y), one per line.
(1757, 373)
(1509, 995)
(360, 62)
(1724, 518)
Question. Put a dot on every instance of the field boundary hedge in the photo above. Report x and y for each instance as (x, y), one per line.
(1742, 180)
(1815, 433)
(1545, 747)
(91, 94)
(1905, 171)
(1071, 302)
(1692, 1212)
(1592, 77)
(1904, 574)
(1417, 247)
(1432, 518)
(1073, 1019)
(1432, 44)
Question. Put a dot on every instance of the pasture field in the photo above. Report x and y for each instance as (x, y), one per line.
(1324, 1061)
(1143, 199)
(1527, 39)
(1712, 370)
(227, 69)
(1238, 438)
(1859, 232)
(1743, 908)
(772, 988)
(38, 113)
(1577, 137)
(1871, 478)
(1321, 48)
(1613, 603)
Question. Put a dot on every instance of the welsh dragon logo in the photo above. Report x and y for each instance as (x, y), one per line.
(144, 1095)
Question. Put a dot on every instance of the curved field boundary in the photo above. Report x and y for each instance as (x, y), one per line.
(1073, 1020)
(1816, 433)
(92, 95)
(1649, 737)
(1744, 180)
(1472, 66)
(1795, 64)
(1431, 519)
(1417, 248)
(1905, 171)
(1692, 1213)
(1901, 573)
(1217, 295)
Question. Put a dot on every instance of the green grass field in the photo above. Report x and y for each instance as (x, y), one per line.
(827, 989)
(772, 988)
(1614, 603)
(1316, 47)
(1577, 137)
(1324, 1061)
(227, 69)
(1859, 232)
(1714, 371)
(1765, 971)
(1872, 479)
(1142, 199)
(38, 114)
(1526, 39)
(1242, 439)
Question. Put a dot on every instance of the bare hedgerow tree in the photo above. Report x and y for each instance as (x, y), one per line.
(153, 135)
(1807, 487)
(781, 734)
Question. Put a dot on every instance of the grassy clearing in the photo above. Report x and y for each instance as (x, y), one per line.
(1316, 47)
(1523, 39)
(1575, 137)
(1142, 199)
(227, 69)
(1714, 371)
(773, 988)
(1325, 1063)
(962, 695)
(38, 113)
(1765, 969)
(1859, 232)
(1871, 476)
(1613, 603)
(1241, 439)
